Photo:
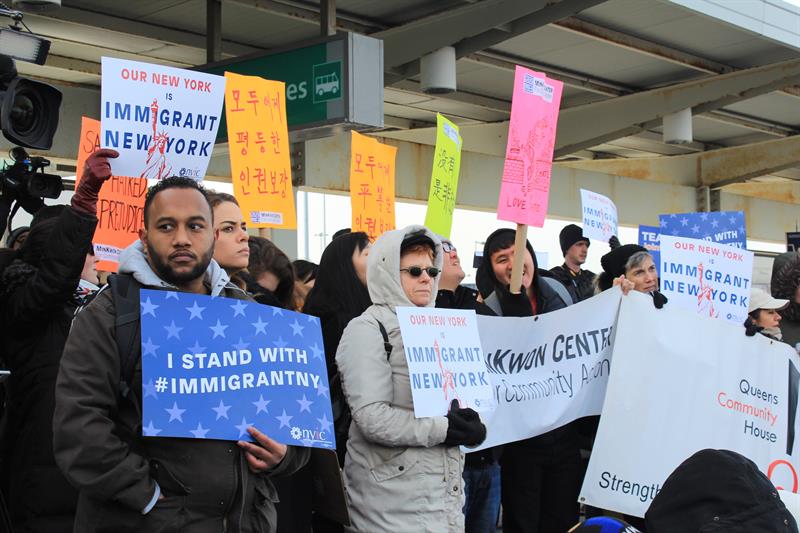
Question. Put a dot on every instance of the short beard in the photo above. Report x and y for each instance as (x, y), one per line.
(166, 273)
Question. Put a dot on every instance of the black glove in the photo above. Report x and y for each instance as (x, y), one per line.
(464, 427)
(659, 299)
(750, 328)
(614, 243)
(514, 304)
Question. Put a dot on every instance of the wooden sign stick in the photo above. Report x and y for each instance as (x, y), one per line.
(519, 257)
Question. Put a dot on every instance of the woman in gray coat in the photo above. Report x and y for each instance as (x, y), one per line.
(402, 474)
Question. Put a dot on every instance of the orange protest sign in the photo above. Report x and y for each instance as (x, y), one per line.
(371, 185)
(258, 141)
(120, 204)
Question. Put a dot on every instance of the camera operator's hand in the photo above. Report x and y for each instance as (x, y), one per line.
(96, 171)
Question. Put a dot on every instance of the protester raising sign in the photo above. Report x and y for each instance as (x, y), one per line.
(682, 383)
(162, 120)
(723, 227)
(212, 367)
(445, 360)
(120, 204)
(372, 171)
(525, 187)
(258, 137)
(599, 216)
(708, 278)
(444, 178)
(548, 370)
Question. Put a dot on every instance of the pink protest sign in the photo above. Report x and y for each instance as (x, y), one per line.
(529, 154)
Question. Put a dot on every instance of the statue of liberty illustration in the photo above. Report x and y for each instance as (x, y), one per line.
(448, 381)
(157, 167)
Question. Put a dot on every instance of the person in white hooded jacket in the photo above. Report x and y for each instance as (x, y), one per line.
(402, 474)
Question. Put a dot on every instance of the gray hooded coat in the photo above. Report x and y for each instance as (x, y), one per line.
(398, 474)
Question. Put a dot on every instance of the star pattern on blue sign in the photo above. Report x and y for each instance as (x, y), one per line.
(212, 367)
(722, 227)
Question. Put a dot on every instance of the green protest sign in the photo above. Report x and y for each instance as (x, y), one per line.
(444, 178)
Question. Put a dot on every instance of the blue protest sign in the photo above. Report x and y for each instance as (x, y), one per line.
(650, 238)
(212, 367)
(722, 227)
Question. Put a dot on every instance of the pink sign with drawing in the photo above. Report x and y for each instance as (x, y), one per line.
(529, 153)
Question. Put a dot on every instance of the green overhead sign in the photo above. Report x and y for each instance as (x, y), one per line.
(331, 83)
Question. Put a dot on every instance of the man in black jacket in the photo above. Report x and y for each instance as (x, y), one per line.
(131, 483)
(481, 469)
(540, 476)
(453, 295)
(49, 277)
(575, 247)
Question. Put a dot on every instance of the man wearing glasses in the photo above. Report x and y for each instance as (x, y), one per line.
(453, 295)
(481, 469)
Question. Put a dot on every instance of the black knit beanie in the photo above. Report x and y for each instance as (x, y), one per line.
(613, 263)
(569, 236)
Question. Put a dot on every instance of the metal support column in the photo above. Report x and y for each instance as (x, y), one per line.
(213, 30)
(327, 17)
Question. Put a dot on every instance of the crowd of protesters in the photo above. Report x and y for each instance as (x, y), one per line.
(72, 455)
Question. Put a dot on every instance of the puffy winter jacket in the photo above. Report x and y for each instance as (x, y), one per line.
(398, 474)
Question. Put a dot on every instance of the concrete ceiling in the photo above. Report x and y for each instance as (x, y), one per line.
(600, 49)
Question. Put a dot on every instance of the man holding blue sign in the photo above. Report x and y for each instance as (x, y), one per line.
(129, 482)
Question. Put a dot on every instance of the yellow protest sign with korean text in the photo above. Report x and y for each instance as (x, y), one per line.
(372, 172)
(258, 142)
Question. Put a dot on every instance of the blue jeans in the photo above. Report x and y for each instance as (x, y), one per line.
(482, 491)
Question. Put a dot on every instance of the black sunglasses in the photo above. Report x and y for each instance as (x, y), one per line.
(416, 271)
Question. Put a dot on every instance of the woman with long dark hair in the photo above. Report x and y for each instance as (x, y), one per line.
(339, 295)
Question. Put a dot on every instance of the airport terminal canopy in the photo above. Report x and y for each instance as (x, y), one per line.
(626, 65)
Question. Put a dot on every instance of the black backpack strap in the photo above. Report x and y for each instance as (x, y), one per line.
(125, 292)
(386, 344)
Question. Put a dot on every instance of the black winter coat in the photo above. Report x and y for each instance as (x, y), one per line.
(37, 308)
(785, 280)
(580, 287)
(98, 442)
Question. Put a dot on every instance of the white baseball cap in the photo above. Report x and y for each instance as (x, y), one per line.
(761, 299)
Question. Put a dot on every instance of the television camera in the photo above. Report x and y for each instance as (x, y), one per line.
(29, 118)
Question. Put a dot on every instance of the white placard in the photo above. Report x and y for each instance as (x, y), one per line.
(708, 278)
(683, 383)
(445, 360)
(599, 216)
(549, 370)
(162, 120)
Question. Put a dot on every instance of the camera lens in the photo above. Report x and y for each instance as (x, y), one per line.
(24, 112)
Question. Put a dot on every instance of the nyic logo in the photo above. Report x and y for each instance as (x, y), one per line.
(309, 434)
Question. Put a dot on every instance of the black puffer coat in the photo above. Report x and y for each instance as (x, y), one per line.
(37, 309)
(785, 280)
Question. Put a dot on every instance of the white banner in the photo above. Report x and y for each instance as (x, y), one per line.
(162, 120)
(599, 216)
(683, 383)
(708, 278)
(548, 370)
(445, 361)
